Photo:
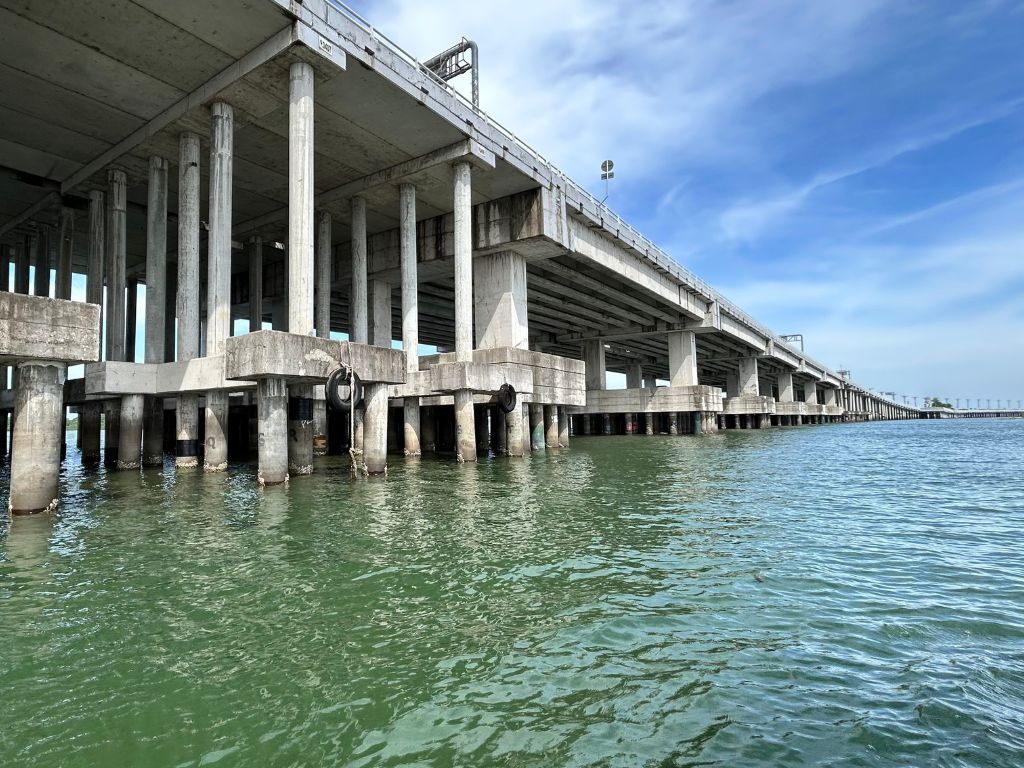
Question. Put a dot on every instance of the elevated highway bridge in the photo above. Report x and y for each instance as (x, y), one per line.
(282, 167)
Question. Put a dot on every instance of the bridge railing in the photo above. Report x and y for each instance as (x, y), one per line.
(598, 211)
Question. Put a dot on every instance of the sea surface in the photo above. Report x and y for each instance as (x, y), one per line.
(845, 595)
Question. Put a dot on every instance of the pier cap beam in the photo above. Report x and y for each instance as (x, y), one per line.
(41, 328)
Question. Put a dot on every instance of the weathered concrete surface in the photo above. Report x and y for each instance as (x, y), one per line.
(41, 328)
(35, 441)
(294, 357)
(660, 400)
(272, 414)
(748, 404)
(198, 375)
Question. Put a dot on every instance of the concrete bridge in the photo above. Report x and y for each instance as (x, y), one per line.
(282, 167)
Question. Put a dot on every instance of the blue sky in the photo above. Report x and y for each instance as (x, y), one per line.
(850, 171)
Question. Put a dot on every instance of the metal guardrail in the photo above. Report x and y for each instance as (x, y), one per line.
(600, 211)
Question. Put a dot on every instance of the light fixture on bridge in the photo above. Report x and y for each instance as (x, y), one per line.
(607, 174)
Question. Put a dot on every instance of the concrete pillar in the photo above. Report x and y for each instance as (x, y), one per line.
(272, 417)
(301, 257)
(129, 445)
(358, 322)
(594, 360)
(187, 411)
(632, 426)
(648, 423)
(116, 244)
(830, 396)
(380, 314)
(606, 423)
(375, 429)
(499, 432)
(732, 384)
(89, 428)
(537, 427)
(634, 376)
(322, 267)
(465, 426)
(811, 392)
(748, 377)
(515, 433)
(428, 430)
(410, 312)
(41, 261)
(785, 383)
(218, 277)
(463, 241)
(682, 359)
(255, 250)
(66, 247)
(551, 430)
(22, 261)
(156, 303)
(35, 442)
(563, 428)
(499, 293)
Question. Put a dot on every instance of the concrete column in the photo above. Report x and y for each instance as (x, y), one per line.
(811, 392)
(375, 429)
(300, 198)
(35, 442)
(537, 430)
(218, 277)
(117, 211)
(428, 433)
(41, 261)
(156, 303)
(785, 383)
(606, 423)
(551, 430)
(480, 429)
(410, 312)
(682, 359)
(594, 360)
(563, 428)
(89, 428)
(129, 445)
(187, 293)
(732, 384)
(499, 431)
(22, 257)
(301, 257)
(322, 267)
(830, 396)
(648, 423)
(358, 321)
(499, 293)
(515, 433)
(748, 377)
(255, 249)
(634, 376)
(380, 314)
(131, 317)
(272, 417)
(66, 247)
(465, 426)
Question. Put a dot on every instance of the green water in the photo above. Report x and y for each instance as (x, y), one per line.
(841, 595)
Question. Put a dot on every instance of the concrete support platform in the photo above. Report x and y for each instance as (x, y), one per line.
(661, 400)
(40, 328)
(748, 404)
(295, 357)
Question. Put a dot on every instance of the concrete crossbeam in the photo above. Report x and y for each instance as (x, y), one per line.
(41, 328)
(296, 358)
(660, 400)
